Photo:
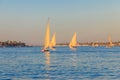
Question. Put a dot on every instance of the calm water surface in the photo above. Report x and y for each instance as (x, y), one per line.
(86, 63)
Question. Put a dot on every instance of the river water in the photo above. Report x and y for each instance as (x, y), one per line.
(85, 63)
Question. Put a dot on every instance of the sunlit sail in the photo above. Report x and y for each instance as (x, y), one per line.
(73, 42)
(47, 38)
(53, 41)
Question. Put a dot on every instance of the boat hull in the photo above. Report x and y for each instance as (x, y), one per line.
(44, 50)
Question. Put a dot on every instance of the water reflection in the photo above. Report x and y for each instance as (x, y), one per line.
(47, 67)
(74, 60)
(74, 49)
(47, 57)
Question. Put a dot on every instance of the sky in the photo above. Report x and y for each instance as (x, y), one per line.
(92, 20)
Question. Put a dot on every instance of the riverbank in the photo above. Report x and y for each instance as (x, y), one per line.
(12, 44)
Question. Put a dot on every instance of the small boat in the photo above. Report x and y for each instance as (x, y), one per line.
(73, 42)
(53, 42)
(47, 39)
(110, 43)
(95, 45)
(45, 50)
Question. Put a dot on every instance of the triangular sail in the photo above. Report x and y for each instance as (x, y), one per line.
(110, 41)
(47, 36)
(93, 44)
(53, 41)
(73, 42)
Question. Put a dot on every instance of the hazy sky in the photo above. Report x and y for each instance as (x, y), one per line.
(93, 20)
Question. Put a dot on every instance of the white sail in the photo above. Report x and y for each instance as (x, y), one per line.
(110, 42)
(95, 44)
(73, 42)
(53, 41)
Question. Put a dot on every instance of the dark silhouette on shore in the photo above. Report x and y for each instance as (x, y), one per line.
(12, 44)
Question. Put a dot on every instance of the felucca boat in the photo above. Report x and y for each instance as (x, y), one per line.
(73, 42)
(95, 45)
(47, 39)
(110, 42)
(53, 42)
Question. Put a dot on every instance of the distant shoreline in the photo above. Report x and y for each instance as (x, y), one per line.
(91, 44)
(22, 44)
